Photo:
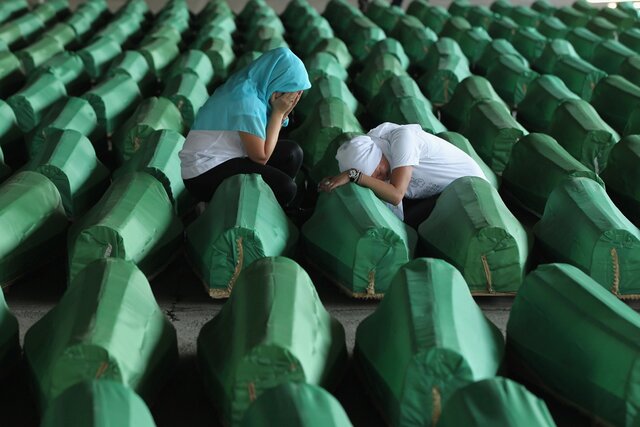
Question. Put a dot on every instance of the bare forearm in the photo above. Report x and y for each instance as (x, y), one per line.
(273, 131)
(384, 190)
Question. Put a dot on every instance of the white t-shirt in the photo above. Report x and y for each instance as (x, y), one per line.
(205, 149)
(436, 162)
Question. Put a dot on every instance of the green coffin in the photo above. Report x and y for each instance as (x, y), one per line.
(133, 64)
(494, 50)
(361, 36)
(584, 41)
(615, 98)
(432, 16)
(610, 54)
(221, 55)
(472, 228)
(426, 339)
(572, 337)
(554, 52)
(156, 113)
(193, 62)
(387, 46)
(416, 39)
(470, 91)
(188, 93)
(340, 13)
(9, 339)
(385, 16)
(581, 131)
(122, 30)
(329, 118)
(159, 53)
(69, 68)
(579, 75)
(114, 101)
(529, 42)
(376, 71)
(480, 16)
(553, 28)
(537, 165)
(39, 52)
(69, 160)
(243, 222)
(31, 103)
(492, 131)
(99, 55)
(622, 176)
(463, 143)
(511, 79)
(473, 43)
(323, 87)
(68, 114)
(497, 402)
(525, 16)
(325, 64)
(97, 403)
(446, 67)
(620, 19)
(630, 38)
(21, 31)
(272, 330)
(336, 48)
(158, 156)
(400, 100)
(11, 73)
(582, 227)
(454, 27)
(630, 69)
(134, 220)
(310, 37)
(361, 249)
(107, 325)
(328, 165)
(503, 27)
(543, 7)
(31, 210)
(5, 171)
(10, 134)
(544, 96)
(571, 17)
(296, 405)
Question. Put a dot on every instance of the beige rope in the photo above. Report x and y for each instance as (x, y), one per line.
(437, 405)
(239, 262)
(371, 287)
(252, 392)
(102, 369)
(487, 273)
(616, 272)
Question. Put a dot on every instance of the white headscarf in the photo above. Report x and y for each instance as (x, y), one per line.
(360, 153)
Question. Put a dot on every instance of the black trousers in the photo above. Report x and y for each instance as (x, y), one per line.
(417, 210)
(278, 173)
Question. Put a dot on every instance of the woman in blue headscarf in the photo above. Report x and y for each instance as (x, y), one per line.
(236, 131)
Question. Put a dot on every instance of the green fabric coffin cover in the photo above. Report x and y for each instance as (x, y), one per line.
(69, 68)
(543, 7)
(446, 66)
(272, 330)
(323, 87)
(582, 227)
(609, 55)
(434, 17)
(158, 156)
(579, 75)
(511, 79)
(494, 50)
(211, 32)
(470, 91)
(554, 51)
(34, 223)
(553, 28)
(615, 98)
(293, 11)
(525, 16)
(575, 339)
(492, 131)
(311, 36)
(21, 31)
(385, 104)
(529, 42)
(9, 132)
(337, 48)
(545, 94)
(571, 17)
(134, 220)
(328, 165)
(633, 125)
(329, 118)
(99, 55)
(361, 249)
(133, 64)
(472, 228)
(11, 74)
(11, 8)
(454, 28)
(622, 175)
(416, 39)
(383, 15)
(242, 223)
(5, 171)
(68, 114)
(630, 69)
(166, 31)
(159, 53)
(480, 16)
(221, 55)
(460, 8)
(69, 160)
(368, 82)
(602, 27)
(114, 101)
(473, 43)
(584, 41)
(581, 131)
(9, 342)
(122, 30)
(631, 39)
(503, 27)
(325, 64)
(463, 143)
(537, 165)
(407, 110)
(97, 403)
(387, 46)
(31, 103)
(502, 7)
(419, 9)
(107, 325)
(361, 36)
(264, 45)
(497, 402)
(244, 60)
(188, 93)
(426, 339)
(152, 114)
(296, 405)
(617, 17)
(340, 13)
(309, 22)
(39, 52)
(585, 7)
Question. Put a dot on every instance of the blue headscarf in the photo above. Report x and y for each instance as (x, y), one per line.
(242, 102)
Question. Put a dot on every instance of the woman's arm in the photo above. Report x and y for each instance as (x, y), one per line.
(391, 192)
(259, 150)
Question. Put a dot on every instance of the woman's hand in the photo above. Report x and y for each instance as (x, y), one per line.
(284, 103)
(332, 182)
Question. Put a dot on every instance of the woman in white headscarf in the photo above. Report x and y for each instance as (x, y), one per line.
(402, 165)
